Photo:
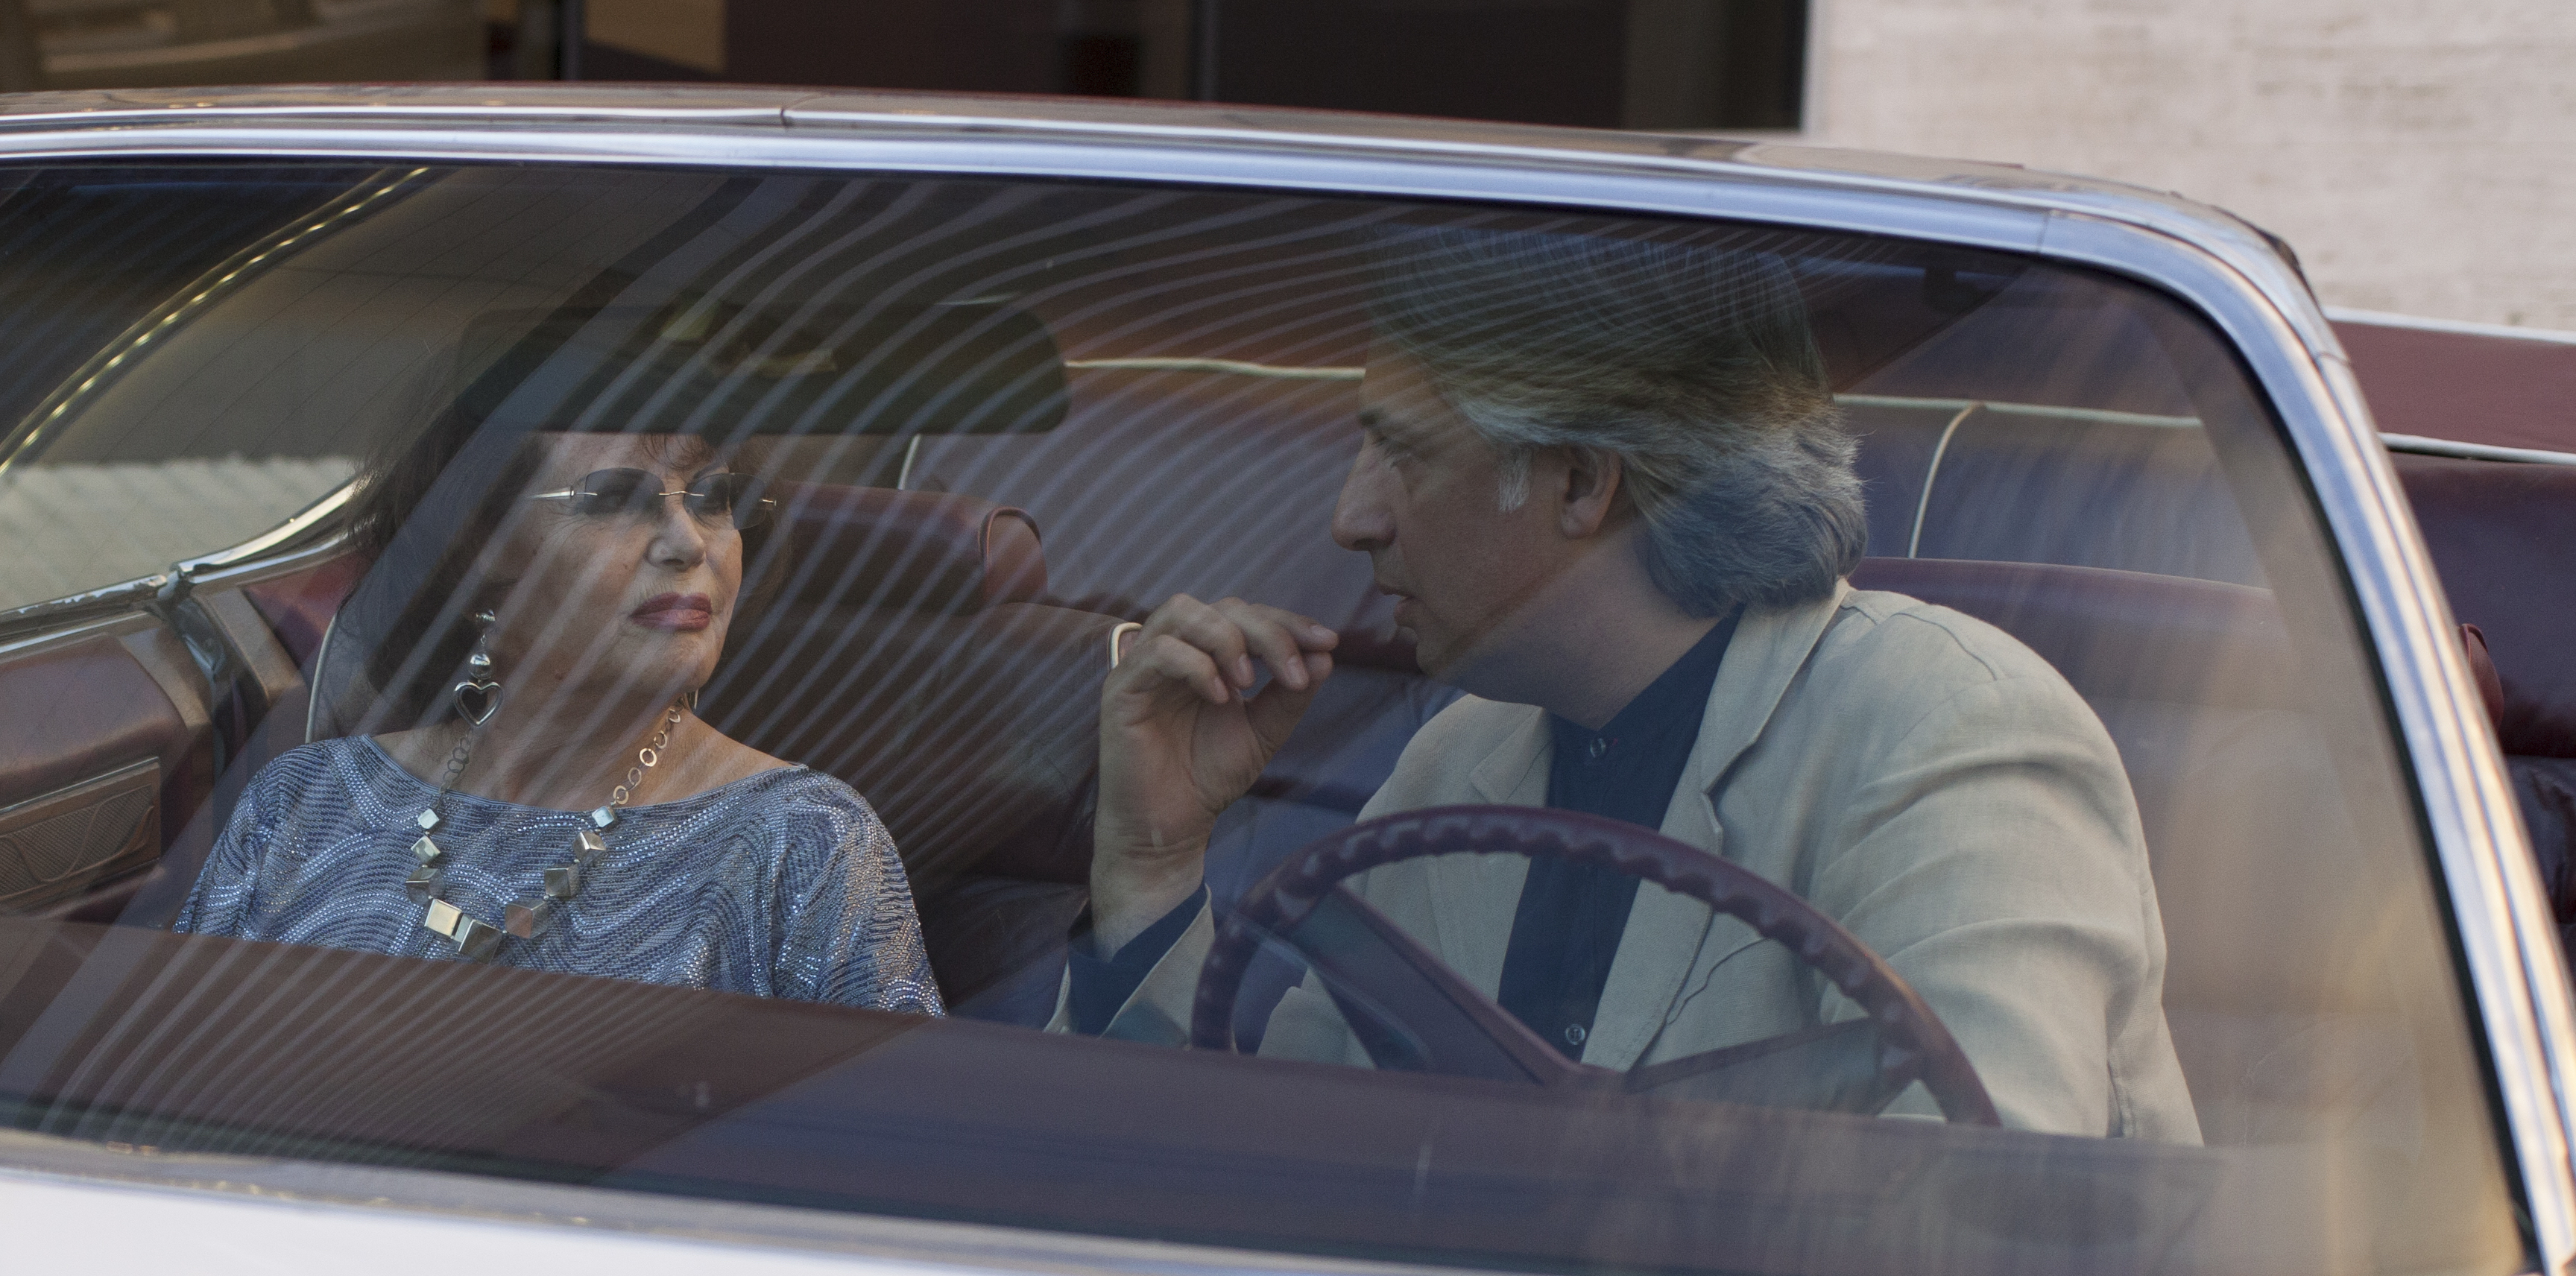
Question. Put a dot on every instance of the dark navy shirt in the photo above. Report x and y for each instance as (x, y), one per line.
(1567, 928)
(1100, 985)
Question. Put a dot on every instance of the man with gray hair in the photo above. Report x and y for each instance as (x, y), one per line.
(1605, 480)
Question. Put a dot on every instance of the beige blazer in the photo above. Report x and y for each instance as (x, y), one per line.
(1915, 773)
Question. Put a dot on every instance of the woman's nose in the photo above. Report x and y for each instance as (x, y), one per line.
(679, 539)
(1362, 518)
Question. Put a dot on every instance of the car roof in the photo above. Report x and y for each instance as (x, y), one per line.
(1232, 136)
(988, 115)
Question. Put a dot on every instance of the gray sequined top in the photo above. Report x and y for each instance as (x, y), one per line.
(782, 884)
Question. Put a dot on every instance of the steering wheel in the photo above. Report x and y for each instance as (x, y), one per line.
(1411, 1011)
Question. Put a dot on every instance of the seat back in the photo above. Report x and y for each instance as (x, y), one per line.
(2008, 483)
(1205, 483)
(910, 655)
(2498, 532)
(1216, 483)
(903, 640)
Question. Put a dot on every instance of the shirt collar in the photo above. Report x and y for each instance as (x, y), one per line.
(1670, 705)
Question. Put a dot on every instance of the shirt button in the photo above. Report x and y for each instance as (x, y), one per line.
(1574, 1034)
(1598, 747)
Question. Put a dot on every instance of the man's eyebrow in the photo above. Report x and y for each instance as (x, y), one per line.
(1388, 426)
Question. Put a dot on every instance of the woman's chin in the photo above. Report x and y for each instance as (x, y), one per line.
(678, 660)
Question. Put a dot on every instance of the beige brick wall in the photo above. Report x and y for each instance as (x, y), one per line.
(2420, 154)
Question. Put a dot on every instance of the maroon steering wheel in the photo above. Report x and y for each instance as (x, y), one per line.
(1410, 1010)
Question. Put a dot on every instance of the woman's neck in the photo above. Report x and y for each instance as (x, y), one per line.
(566, 757)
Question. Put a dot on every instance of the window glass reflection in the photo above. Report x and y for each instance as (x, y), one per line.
(951, 605)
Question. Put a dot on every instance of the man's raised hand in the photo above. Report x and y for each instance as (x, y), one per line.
(1180, 740)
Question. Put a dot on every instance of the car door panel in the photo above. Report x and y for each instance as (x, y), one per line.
(109, 739)
(54, 847)
(113, 772)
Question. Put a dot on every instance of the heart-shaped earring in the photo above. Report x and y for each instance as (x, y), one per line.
(477, 700)
(480, 694)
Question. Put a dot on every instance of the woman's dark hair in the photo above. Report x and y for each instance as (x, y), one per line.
(426, 507)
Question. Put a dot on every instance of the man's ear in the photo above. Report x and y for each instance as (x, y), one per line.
(1593, 480)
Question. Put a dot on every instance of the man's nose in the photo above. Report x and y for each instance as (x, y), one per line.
(1362, 519)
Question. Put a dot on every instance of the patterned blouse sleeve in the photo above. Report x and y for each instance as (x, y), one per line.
(848, 931)
(222, 895)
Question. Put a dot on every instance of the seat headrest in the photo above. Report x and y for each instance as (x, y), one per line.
(2115, 634)
(879, 547)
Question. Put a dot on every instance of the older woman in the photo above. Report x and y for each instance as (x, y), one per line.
(542, 610)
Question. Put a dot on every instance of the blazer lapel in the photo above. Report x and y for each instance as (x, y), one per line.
(1515, 773)
(1770, 648)
(1669, 936)
(1474, 897)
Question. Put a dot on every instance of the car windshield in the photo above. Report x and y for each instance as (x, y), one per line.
(1481, 735)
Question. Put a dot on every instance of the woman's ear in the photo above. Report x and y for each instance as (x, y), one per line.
(1593, 479)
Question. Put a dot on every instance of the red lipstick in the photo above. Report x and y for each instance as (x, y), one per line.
(676, 613)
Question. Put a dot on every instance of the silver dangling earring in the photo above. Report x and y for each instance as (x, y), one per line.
(480, 693)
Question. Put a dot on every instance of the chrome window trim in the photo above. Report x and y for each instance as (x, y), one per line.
(2456, 327)
(722, 1235)
(2422, 446)
(2222, 268)
(309, 519)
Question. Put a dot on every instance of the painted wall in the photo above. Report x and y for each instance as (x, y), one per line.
(2419, 154)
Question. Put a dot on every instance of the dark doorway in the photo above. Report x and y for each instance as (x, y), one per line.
(1646, 64)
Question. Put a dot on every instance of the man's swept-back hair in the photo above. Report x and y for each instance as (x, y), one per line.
(1691, 362)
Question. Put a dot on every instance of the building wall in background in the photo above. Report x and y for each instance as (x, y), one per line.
(2419, 154)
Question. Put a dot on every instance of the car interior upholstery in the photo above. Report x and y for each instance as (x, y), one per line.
(177, 705)
(2498, 532)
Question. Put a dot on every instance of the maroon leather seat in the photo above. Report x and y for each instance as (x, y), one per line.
(912, 551)
(1214, 484)
(1162, 482)
(2499, 533)
(907, 653)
